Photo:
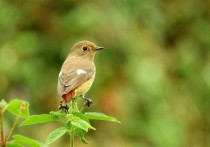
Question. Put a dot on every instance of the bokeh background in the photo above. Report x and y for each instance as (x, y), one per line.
(154, 74)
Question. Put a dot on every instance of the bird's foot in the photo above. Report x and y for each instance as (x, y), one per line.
(89, 102)
(65, 108)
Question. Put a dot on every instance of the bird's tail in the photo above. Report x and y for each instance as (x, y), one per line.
(66, 98)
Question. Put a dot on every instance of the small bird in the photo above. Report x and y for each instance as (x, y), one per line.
(77, 73)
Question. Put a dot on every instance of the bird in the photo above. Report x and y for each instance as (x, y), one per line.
(77, 73)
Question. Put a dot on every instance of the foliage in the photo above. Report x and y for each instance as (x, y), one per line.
(21, 110)
(75, 123)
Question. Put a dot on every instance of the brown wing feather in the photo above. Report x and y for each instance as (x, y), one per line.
(70, 81)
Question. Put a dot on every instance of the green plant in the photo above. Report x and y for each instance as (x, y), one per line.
(21, 110)
(74, 123)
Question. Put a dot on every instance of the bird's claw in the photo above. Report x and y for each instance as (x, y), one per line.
(65, 108)
(89, 102)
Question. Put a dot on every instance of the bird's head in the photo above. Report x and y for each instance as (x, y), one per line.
(85, 49)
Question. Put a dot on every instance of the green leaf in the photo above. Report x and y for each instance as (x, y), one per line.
(82, 138)
(27, 141)
(81, 115)
(82, 124)
(14, 145)
(68, 125)
(19, 108)
(79, 121)
(81, 133)
(58, 113)
(54, 135)
(37, 119)
(3, 106)
(100, 116)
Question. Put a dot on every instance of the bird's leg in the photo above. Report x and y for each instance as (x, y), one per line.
(88, 101)
(63, 106)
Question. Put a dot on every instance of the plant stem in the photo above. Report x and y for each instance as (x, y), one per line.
(74, 105)
(74, 109)
(83, 107)
(12, 129)
(72, 138)
(2, 130)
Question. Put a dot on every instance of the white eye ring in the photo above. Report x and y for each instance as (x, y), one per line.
(84, 48)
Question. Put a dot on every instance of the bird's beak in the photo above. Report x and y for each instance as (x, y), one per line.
(98, 48)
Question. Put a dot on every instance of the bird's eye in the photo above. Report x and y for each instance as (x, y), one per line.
(84, 48)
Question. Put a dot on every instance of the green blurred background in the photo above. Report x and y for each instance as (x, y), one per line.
(154, 74)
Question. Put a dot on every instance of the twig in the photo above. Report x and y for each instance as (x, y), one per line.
(2, 130)
(12, 129)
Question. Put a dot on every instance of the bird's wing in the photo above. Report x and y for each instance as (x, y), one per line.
(70, 81)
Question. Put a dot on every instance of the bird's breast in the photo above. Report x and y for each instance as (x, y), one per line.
(82, 89)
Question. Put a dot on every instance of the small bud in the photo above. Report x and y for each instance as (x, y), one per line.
(22, 106)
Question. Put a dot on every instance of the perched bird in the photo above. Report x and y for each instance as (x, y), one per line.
(77, 73)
